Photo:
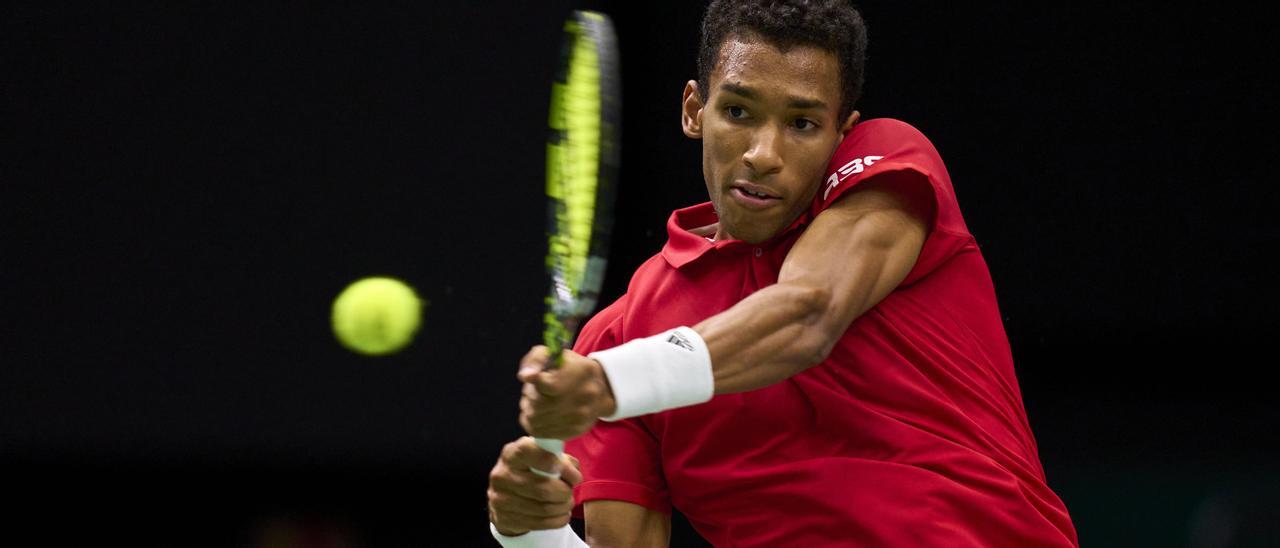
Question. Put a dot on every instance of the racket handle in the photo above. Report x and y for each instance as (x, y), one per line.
(555, 447)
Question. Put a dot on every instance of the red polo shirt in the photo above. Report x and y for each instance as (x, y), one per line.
(911, 433)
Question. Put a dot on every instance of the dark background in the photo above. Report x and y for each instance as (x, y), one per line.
(187, 188)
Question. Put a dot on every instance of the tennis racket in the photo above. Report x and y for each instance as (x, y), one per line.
(582, 167)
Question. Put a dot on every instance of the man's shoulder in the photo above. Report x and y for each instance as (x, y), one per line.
(887, 124)
(656, 264)
(886, 130)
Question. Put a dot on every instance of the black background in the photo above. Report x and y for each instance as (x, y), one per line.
(187, 188)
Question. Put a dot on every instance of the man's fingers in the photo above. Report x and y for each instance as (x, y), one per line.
(527, 373)
(533, 361)
(532, 488)
(528, 486)
(537, 354)
(524, 453)
(520, 500)
(531, 455)
(515, 513)
(571, 474)
(543, 383)
(530, 392)
(525, 510)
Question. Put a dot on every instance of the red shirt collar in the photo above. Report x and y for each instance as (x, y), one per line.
(684, 247)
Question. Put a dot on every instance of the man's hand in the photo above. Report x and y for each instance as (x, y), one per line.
(562, 403)
(521, 501)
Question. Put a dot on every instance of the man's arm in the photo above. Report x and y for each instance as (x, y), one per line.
(853, 255)
(849, 259)
(612, 523)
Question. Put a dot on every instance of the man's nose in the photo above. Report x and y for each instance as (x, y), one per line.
(763, 157)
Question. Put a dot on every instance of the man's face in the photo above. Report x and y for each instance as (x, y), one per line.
(768, 129)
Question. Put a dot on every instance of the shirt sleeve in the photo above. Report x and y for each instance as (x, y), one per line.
(619, 460)
(891, 148)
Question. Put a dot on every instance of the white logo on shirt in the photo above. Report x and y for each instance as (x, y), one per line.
(857, 165)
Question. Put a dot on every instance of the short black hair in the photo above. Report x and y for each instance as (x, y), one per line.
(832, 25)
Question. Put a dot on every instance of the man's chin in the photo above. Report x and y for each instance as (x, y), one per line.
(752, 233)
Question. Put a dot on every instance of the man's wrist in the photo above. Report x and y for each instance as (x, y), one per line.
(563, 537)
(653, 374)
(607, 404)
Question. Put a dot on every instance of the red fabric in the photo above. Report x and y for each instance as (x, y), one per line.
(911, 433)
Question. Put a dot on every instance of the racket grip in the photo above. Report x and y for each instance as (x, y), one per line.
(555, 447)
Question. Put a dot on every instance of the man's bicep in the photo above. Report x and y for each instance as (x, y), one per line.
(859, 249)
(612, 523)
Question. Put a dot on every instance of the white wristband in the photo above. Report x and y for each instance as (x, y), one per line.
(563, 537)
(665, 371)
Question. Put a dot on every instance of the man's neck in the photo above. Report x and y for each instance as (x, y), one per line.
(711, 232)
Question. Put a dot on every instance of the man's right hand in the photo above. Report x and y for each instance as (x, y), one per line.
(520, 500)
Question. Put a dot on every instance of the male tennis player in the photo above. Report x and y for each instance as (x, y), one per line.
(815, 358)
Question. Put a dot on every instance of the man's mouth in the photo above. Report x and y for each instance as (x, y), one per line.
(753, 196)
(758, 191)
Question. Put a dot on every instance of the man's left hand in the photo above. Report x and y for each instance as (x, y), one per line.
(565, 402)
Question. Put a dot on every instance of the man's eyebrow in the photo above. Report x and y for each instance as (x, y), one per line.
(792, 101)
(739, 89)
(803, 103)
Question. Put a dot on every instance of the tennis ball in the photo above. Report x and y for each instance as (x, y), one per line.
(376, 316)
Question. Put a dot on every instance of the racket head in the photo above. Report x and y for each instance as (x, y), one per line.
(582, 169)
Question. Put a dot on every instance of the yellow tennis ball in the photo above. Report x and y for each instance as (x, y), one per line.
(377, 316)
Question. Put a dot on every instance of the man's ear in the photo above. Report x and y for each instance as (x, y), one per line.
(849, 123)
(691, 110)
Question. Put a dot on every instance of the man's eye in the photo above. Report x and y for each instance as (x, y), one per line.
(736, 112)
(804, 123)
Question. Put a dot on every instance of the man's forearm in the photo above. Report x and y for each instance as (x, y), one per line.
(767, 337)
(852, 256)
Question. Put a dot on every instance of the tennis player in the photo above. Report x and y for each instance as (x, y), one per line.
(815, 358)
